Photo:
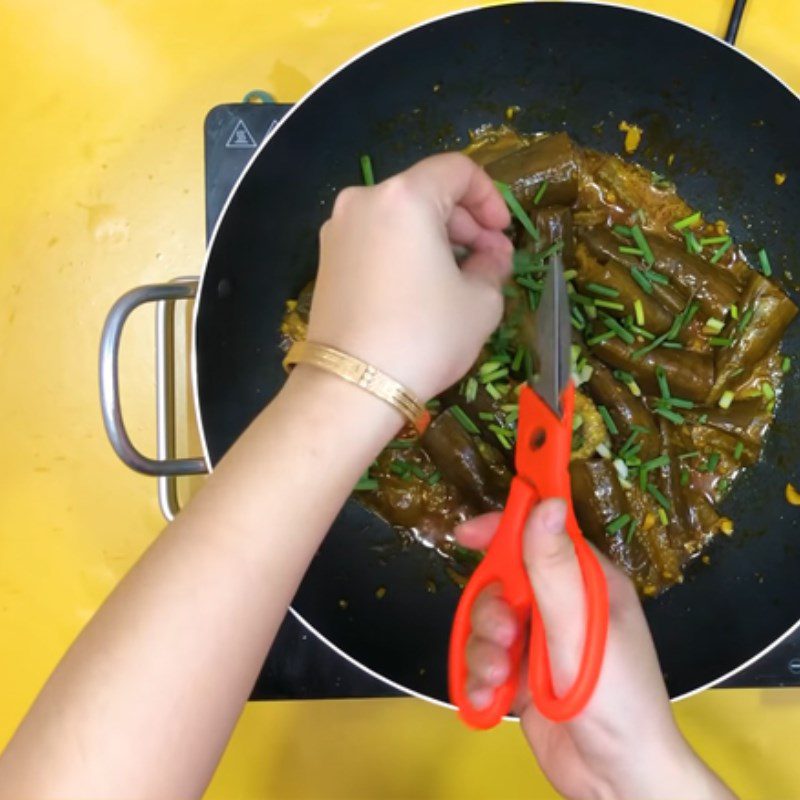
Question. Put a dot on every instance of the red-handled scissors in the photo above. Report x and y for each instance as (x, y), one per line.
(544, 437)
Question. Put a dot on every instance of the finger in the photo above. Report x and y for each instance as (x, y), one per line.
(558, 587)
(490, 267)
(493, 620)
(452, 179)
(488, 663)
(463, 229)
(476, 533)
(480, 695)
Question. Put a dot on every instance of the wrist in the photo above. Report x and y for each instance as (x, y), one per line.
(331, 403)
(671, 769)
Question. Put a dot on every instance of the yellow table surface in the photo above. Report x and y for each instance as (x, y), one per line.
(103, 103)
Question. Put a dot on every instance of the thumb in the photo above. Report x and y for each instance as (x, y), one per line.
(558, 587)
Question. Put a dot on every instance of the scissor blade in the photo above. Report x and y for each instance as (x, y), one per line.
(552, 336)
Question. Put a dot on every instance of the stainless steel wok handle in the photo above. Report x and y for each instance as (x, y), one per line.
(165, 466)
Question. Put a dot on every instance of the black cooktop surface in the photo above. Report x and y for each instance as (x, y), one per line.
(300, 666)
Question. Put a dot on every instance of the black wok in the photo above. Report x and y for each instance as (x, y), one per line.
(583, 68)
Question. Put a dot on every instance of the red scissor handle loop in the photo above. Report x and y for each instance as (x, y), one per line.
(542, 460)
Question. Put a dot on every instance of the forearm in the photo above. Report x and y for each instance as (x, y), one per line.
(144, 701)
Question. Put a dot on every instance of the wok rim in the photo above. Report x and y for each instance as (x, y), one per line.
(223, 212)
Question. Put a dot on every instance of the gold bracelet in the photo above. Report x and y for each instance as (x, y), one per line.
(363, 375)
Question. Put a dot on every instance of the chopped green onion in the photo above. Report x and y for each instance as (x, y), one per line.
(366, 171)
(631, 530)
(487, 416)
(679, 402)
(637, 354)
(659, 497)
(672, 416)
(656, 463)
(642, 244)
(721, 251)
(745, 320)
(640, 278)
(631, 251)
(502, 438)
(662, 515)
(640, 429)
(529, 283)
(715, 240)
(518, 356)
(540, 193)
(726, 399)
(692, 245)
(610, 304)
(688, 315)
(582, 299)
(622, 230)
(577, 421)
(494, 376)
(517, 210)
(734, 311)
(493, 391)
(722, 486)
(613, 325)
(466, 423)
(599, 288)
(366, 485)
(702, 419)
(786, 364)
(433, 405)
(684, 477)
(714, 325)
(610, 424)
(471, 390)
(615, 526)
(738, 450)
(601, 337)
(434, 478)
(691, 454)
(629, 442)
(638, 309)
(767, 390)
(400, 444)
(643, 332)
(673, 345)
(720, 341)
(763, 259)
(713, 461)
(570, 274)
(663, 385)
(488, 367)
(657, 277)
(687, 222)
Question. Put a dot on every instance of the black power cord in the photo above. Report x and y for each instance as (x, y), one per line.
(735, 21)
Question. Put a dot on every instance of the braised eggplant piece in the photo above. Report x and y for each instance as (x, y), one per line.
(716, 290)
(553, 160)
(625, 290)
(463, 462)
(600, 502)
(746, 421)
(628, 413)
(690, 374)
(765, 314)
(604, 246)
(676, 359)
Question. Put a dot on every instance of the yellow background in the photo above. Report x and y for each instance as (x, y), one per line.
(100, 134)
